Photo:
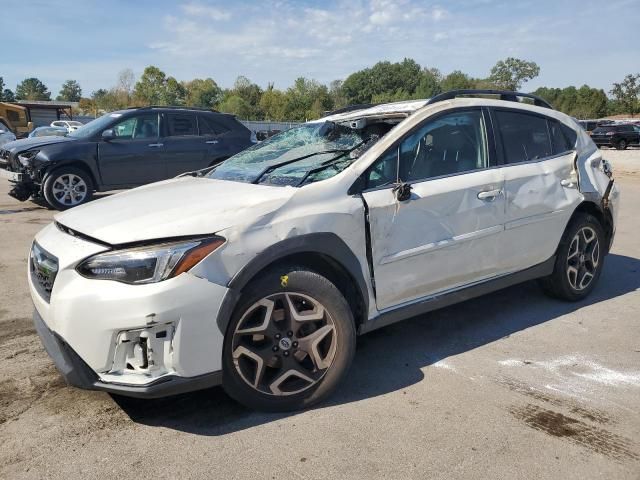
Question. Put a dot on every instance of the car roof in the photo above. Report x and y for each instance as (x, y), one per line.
(410, 107)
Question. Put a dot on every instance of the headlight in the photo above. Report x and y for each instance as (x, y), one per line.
(25, 157)
(148, 264)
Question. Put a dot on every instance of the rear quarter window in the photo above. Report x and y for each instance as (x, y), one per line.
(210, 126)
(559, 139)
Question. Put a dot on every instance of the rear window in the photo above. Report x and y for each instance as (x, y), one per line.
(525, 137)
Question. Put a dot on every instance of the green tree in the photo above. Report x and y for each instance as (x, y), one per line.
(307, 100)
(429, 84)
(336, 92)
(456, 80)
(511, 73)
(8, 96)
(235, 105)
(202, 93)
(32, 89)
(151, 88)
(273, 104)
(626, 93)
(174, 93)
(70, 91)
(250, 94)
(383, 81)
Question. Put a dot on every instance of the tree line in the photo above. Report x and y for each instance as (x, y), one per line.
(308, 99)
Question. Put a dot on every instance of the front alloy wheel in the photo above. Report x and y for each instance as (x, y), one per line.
(284, 344)
(290, 341)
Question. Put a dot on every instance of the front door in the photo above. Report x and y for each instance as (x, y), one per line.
(447, 232)
(133, 156)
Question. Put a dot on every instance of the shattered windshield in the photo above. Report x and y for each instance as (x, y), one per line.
(305, 154)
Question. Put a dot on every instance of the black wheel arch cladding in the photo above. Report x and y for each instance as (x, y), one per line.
(325, 244)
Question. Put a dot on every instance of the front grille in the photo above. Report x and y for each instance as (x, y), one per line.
(43, 268)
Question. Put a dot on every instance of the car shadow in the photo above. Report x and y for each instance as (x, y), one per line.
(392, 358)
(11, 211)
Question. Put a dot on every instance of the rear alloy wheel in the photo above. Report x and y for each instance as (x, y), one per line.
(579, 260)
(290, 347)
(67, 187)
(622, 145)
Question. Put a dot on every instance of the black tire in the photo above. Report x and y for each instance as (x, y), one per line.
(621, 145)
(299, 280)
(42, 202)
(54, 181)
(559, 284)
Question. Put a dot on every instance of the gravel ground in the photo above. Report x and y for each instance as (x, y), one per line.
(513, 385)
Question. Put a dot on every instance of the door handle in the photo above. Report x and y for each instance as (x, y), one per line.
(212, 142)
(568, 183)
(489, 195)
(156, 144)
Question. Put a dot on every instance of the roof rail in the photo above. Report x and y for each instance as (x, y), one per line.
(502, 94)
(175, 107)
(351, 108)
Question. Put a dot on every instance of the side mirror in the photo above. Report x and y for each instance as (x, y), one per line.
(402, 191)
(108, 134)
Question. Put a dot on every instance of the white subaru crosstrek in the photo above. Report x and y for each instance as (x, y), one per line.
(259, 273)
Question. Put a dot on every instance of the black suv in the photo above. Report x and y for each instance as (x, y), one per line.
(618, 136)
(119, 150)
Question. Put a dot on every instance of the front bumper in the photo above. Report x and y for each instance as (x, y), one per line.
(11, 176)
(78, 374)
(138, 340)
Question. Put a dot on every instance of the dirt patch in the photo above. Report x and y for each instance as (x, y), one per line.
(15, 328)
(593, 438)
(18, 395)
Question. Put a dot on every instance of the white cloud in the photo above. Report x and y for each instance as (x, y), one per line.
(211, 13)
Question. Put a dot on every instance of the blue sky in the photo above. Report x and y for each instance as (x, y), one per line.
(573, 41)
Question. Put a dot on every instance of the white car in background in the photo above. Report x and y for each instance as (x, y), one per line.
(70, 125)
(258, 273)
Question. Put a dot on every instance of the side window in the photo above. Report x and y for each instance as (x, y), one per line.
(137, 127)
(524, 137)
(450, 144)
(384, 171)
(207, 126)
(559, 140)
(182, 125)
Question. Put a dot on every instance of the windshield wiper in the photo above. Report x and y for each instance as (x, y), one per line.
(271, 168)
(330, 163)
(199, 173)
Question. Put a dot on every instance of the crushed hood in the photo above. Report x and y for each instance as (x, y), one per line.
(35, 142)
(173, 208)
